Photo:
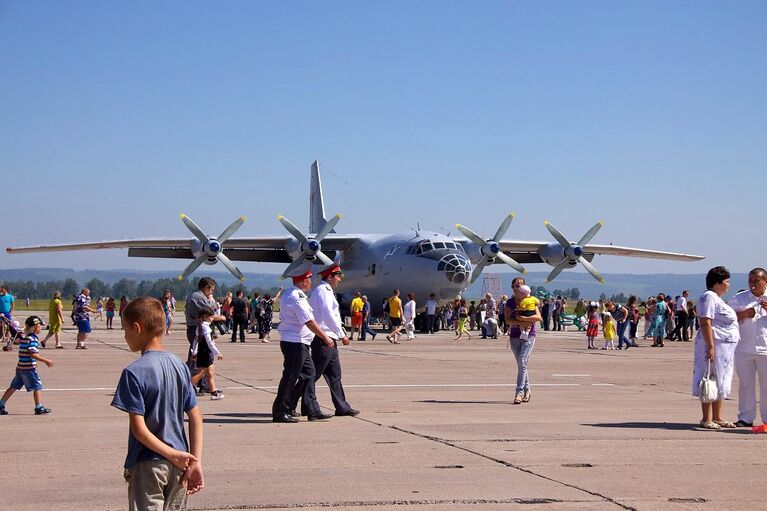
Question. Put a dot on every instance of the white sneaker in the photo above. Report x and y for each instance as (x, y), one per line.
(216, 396)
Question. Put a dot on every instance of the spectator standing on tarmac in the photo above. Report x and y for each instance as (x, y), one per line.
(680, 330)
(239, 310)
(751, 352)
(7, 304)
(409, 315)
(395, 317)
(366, 320)
(297, 330)
(327, 315)
(431, 313)
(356, 310)
(197, 302)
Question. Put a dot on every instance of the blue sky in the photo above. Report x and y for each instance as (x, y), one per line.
(116, 117)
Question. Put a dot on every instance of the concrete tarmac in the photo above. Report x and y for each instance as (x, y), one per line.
(604, 430)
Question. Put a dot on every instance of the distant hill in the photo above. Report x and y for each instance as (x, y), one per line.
(262, 280)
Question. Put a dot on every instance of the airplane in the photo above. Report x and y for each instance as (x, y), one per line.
(421, 262)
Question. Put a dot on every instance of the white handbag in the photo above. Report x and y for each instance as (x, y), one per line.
(707, 388)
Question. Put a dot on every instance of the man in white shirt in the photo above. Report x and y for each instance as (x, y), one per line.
(431, 313)
(409, 311)
(297, 329)
(751, 352)
(325, 351)
(680, 330)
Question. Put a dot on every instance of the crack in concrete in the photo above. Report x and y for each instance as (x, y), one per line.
(371, 503)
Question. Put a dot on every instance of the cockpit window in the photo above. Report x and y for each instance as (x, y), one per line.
(439, 244)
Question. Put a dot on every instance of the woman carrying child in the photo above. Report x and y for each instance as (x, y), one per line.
(206, 354)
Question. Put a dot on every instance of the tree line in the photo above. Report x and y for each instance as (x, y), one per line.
(123, 287)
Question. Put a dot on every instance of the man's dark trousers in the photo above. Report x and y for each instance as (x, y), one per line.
(297, 381)
(328, 364)
(191, 335)
(430, 323)
(240, 322)
(680, 329)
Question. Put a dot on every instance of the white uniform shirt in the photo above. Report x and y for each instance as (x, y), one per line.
(326, 313)
(724, 322)
(753, 331)
(681, 304)
(431, 307)
(409, 311)
(295, 311)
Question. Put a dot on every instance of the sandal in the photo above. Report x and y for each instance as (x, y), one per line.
(709, 425)
(526, 397)
(725, 424)
(518, 399)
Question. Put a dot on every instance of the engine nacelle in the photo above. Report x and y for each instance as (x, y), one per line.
(553, 254)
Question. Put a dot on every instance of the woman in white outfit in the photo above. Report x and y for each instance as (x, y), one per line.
(716, 341)
(410, 306)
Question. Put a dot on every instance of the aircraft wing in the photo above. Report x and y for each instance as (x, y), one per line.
(527, 252)
(261, 249)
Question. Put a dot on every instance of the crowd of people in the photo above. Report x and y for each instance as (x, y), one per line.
(730, 339)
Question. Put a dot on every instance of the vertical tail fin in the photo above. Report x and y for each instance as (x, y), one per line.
(316, 205)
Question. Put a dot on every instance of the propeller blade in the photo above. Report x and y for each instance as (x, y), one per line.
(557, 235)
(292, 229)
(230, 230)
(593, 271)
(557, 270)
(503, 228)
(192, 266)
(478, 270)
(230, 266)
(193, 227)
(511, 262)
(590, 233)
(323, 258)
(292, 266)
(329, 225)
(470, 234)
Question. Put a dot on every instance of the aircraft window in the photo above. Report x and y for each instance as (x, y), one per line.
(450, 245)
(427, 247)
(439, 244)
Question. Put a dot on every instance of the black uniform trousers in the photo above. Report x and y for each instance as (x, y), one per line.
(297, 381)
(328, 364)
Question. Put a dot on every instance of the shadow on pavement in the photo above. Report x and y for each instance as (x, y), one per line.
(671, 426)
(237, 418)
(458, 402)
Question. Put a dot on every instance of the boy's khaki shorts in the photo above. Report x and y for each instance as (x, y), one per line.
(155, 486)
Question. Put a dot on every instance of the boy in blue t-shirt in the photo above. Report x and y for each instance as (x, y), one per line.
(156, 391)
(26, 370)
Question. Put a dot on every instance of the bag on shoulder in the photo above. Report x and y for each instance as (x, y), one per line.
(708, 391)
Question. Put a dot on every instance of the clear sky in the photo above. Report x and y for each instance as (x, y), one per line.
(115, 117)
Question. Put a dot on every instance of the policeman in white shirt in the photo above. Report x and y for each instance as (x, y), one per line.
(297, 329)
(751, 352)
(325, 348)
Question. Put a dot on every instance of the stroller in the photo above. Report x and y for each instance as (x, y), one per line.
(12, 331)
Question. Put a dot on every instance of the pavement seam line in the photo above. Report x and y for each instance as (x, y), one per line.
(399, 502)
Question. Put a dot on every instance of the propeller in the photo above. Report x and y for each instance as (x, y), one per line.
(573, 252)
(211, 248)
(311, 248)
(490, 249)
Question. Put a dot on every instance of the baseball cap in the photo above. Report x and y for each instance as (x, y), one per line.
(34, 320)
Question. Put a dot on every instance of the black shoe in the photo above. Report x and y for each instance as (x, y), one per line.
(744, 424)
(232, 340)
(285, 418)
(2, 411)
(242, 340)
(42, 410)
(319, 417)
(293, 413)
(351, 412)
